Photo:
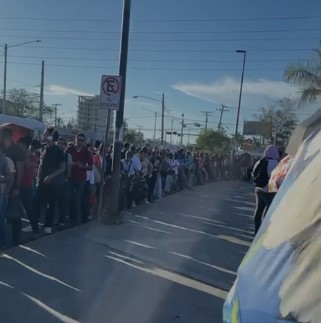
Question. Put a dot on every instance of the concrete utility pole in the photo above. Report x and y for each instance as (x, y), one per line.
(155, 126)
(55, 105)
(182, 130)
(163, 117)
(171, 138)
(240, 97)
(42, 85)
(207, 114)
(222, 109)
(4, 104)
(113, 214)
(6, 46)
(102, 182)
(189, 133)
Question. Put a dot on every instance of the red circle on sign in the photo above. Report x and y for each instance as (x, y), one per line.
(110, 86)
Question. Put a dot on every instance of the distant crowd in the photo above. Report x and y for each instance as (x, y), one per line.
(60, 180)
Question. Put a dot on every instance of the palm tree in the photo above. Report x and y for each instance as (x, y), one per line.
(307, 76)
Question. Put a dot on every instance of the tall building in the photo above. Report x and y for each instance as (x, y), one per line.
(92, 118)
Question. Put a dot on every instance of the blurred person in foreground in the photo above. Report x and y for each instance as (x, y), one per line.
(18, 157)
(261, 174)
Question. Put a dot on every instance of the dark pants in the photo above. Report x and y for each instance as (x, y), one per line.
(151, 186)
(64, 201)
(27, 195)
(77, 195)
(46, 196)
(85, 203)
(16, 231)
(263, 202)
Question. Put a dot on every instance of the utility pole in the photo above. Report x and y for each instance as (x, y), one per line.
(42, 91)
(222, 109)
(206, 113)
(163, 117)
(102, 182)
(171, 138)
(189, 132)
(4, 103)
(155, 126)
(113, 215)
(55, 105)
(182, 130)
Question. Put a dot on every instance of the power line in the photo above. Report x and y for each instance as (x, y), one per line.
(164, 69)
(153, 60)
(151, 20)
(162, 32)
(232, 50)
(231, 19)
(163, 40)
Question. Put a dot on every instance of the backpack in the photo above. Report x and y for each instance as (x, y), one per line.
(260, 174)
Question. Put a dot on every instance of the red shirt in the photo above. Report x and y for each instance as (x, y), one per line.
(31, 166)
(82, 156)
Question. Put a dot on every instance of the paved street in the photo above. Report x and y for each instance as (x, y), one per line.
(172, 261)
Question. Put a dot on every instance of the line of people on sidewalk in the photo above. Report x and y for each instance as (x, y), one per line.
(60, 180)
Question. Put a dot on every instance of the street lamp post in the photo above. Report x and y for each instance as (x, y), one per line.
(162, 101)
(6, 46)
(240, 99)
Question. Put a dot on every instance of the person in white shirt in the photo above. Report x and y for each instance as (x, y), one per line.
(136, 165)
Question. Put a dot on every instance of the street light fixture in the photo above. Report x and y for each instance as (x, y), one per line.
(240, 99)
(163, 110)
(6, 46)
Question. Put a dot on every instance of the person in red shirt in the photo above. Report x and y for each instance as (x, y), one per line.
(27, 190)
(81, 162)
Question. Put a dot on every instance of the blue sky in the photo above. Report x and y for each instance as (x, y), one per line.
(185, 49)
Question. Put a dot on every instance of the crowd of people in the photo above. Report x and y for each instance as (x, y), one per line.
(60, 180)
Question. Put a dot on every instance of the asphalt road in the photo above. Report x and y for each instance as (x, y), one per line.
(172, 261)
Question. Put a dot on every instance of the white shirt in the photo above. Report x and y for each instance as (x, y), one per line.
(174, 165)
(136, 166)
(12, 170)
(144, 166)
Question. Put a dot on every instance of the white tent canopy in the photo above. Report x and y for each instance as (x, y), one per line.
(24, 122)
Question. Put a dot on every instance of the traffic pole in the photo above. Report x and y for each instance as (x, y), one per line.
(42, 91)
(103, 167)
(112, 214)
(163, 117)
(4, 103)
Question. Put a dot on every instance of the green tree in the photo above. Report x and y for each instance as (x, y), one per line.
(72, 124)
(307, 75)
(21, 103)
(25, 104)
(282, 116)
(213, 141)
(134, 137)
(239, 139)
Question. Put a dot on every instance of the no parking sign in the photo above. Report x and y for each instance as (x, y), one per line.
(110, 92)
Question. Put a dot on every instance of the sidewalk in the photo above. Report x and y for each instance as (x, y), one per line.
(170, 262)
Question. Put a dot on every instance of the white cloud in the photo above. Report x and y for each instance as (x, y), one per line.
(227, 90)
(61, 90)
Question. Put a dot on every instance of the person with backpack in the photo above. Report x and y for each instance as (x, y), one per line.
(261, 175)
